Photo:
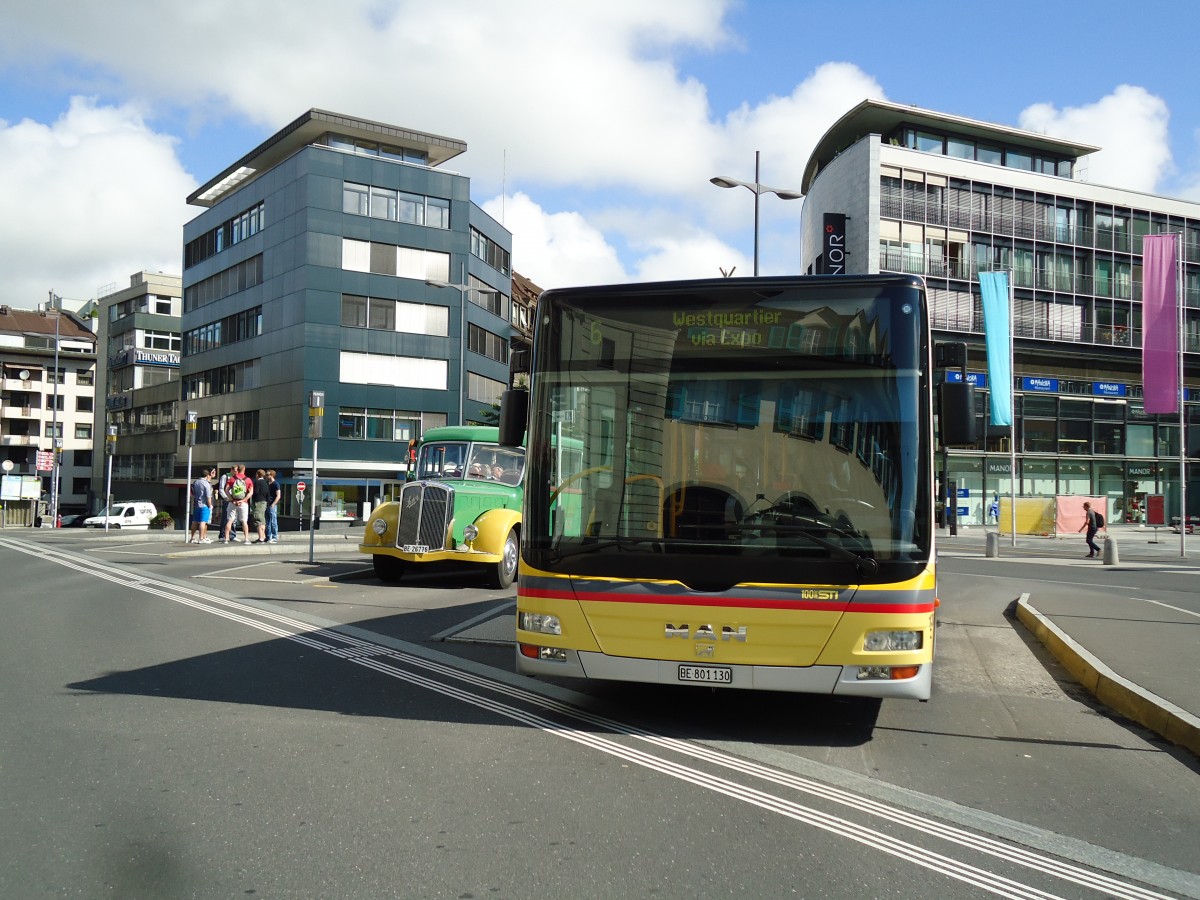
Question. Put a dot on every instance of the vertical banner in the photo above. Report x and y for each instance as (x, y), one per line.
(833, 243)
(1160, 321)
(997, 331)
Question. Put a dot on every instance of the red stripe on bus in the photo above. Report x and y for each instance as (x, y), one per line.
(732, 603)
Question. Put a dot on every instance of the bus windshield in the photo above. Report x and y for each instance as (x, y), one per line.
(730, 435)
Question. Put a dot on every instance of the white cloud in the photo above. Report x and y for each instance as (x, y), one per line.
(555, 249)
(89, 200)
(1130, 124)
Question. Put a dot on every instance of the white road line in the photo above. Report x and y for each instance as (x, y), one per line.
(380, 658)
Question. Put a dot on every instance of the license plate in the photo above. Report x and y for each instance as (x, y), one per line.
(415, 548)
(712, 674)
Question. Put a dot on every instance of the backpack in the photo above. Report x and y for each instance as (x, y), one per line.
(237, 490)
(1099, 520)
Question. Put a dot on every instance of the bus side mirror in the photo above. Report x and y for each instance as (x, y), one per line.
(514, 414)
(518, 363)
(956, 414)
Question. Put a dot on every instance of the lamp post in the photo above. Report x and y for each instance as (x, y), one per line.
(463, 290)
(758, 189)
(56, 440)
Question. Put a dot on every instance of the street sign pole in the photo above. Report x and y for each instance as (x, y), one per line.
(190, 428)
(316, 415)
(110, 449)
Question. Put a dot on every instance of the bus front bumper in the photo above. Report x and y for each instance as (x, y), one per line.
(835, 680)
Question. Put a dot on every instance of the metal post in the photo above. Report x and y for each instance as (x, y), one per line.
(110, 448)
(757, 194)
(1183, 516)
(56, 440)
(190, 429)
(1012, 422)
(316, 414)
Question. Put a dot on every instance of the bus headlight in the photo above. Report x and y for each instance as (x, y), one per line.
(470, 533)
(892, 640)
(379, 526)
(540, 622)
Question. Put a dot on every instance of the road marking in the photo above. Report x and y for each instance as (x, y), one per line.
(384, 659)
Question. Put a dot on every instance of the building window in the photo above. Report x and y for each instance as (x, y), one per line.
(390, 259)
(84, 404)
(490, 252)
(394, 425)
(85, 377)
(395, 206)
(83, 432)
(225, 283)
(483, 342)
(228, 233)
(484, 390)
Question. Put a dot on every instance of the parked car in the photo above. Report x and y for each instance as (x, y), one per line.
(72, 521)
(124, 514)
(462, 503)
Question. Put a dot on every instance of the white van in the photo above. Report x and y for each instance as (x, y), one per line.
(124, 514)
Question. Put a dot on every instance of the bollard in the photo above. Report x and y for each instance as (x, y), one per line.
(1111, 557)
(992, 546)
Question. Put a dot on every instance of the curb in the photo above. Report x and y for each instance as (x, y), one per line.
(1119, 694)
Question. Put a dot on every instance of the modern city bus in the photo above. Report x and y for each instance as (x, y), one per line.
(752, 503)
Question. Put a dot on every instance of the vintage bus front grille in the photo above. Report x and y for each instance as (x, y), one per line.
(426, 509)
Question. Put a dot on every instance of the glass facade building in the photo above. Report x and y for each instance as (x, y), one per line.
(947, 198)
(338, 256)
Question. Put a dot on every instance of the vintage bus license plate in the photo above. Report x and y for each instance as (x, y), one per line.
(415, 548)
(713, 674)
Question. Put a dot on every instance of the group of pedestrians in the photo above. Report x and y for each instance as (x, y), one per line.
(248, 503)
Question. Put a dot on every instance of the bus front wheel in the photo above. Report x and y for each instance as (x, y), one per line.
(387, 568)
(501, 575)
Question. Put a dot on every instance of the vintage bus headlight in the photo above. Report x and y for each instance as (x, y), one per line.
(379, 526)
(541, 623)
(470, 533)
(892, 640)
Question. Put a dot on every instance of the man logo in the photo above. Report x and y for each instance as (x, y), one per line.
(706, 632)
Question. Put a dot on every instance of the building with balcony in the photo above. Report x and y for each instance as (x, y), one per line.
(47, 392)
(340, 256)
(137, 331)
(946, 197)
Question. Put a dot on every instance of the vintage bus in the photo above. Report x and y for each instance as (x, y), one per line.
(461, 503)
(752, 503)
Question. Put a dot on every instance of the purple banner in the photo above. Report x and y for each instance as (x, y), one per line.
(1160, 325)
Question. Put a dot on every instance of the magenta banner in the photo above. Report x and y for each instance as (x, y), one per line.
(1160, 325)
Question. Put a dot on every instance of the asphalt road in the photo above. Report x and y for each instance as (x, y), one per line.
(248, 723)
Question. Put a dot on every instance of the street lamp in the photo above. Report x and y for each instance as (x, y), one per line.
(463, 290)
(55, 438)
(758, 190)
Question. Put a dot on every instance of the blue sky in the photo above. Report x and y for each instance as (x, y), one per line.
(592, 127)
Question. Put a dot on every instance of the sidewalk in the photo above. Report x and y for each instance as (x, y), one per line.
(1142, 666)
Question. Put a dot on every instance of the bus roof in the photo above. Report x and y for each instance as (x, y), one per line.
(488, 433)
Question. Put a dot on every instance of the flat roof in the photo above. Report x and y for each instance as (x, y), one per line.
(882, 117)
(306, 129)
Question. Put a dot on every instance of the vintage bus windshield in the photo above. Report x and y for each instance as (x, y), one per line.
(730, 436)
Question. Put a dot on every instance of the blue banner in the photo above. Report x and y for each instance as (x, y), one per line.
(979, 379)
(1108, 389)
(1039, 385)
(998, 333)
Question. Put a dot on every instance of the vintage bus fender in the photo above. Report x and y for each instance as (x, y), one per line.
(390, 513)
(494, 526)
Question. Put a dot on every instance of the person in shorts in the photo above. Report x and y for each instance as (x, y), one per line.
(202, 507)
(258, 505)
(238, 489)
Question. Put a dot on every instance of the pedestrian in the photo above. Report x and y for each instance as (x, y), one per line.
(1092, 524)
(273, 495)
(258, 507)
(202, 506)
(238, 489)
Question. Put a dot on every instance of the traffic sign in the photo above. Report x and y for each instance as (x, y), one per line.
(300, 486)
(45, 461)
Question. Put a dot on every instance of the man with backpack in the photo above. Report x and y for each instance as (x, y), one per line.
(237, 489)
(1093, 522)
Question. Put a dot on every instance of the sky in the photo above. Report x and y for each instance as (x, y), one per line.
(592, 128)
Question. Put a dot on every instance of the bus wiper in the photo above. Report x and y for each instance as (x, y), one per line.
(867, 565)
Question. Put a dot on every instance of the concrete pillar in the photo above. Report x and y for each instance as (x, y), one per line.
(1109, 551)
(992, 545)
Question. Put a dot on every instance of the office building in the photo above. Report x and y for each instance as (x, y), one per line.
(340, 256)
(47, 373)
(137, 331)
(902, 189)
